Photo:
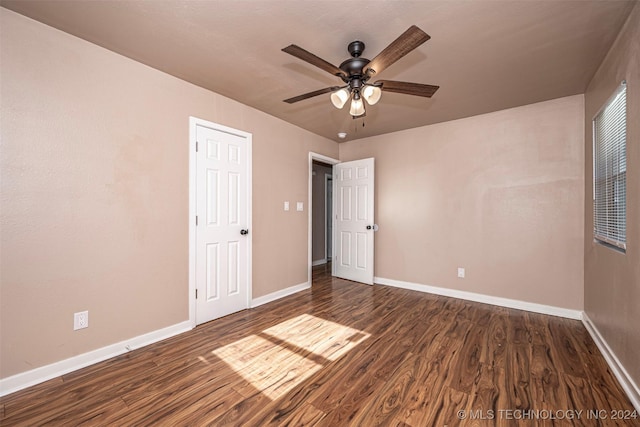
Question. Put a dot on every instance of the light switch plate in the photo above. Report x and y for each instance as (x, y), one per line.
(286, 206)
(300, 206)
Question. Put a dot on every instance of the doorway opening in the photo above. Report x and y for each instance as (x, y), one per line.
(320, 211)
(328, 217)
(322, 179)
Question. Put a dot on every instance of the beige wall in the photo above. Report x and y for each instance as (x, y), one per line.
(94, 200)
(318, 228)
(500, 194)
(612, 279)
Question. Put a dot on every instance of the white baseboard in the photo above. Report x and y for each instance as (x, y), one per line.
(38, 375)
(486, 299)
(279, 294)
(627, 383)
(319, 262)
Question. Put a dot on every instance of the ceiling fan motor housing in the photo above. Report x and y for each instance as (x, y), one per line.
(354, 66)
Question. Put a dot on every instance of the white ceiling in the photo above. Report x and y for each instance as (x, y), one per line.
(484, 55)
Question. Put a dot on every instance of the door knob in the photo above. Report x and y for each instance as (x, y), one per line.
(244, 232)
(369, 227)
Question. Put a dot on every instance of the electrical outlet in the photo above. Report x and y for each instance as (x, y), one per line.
(461, 272)
(286, 206)
(80, 320)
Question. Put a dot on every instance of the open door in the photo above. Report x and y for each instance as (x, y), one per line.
(354, 226)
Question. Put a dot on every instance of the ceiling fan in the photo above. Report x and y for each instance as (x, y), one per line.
(357, 71)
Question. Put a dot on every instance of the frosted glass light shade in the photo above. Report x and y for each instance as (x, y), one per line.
(340, 97)
(357, 107)
(371, 94)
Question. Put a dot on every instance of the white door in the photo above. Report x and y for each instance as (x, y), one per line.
(353, 199)
(222, 212)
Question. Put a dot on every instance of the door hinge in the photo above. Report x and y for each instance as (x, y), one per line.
(196, 294)
(196, 220)
(196, 146)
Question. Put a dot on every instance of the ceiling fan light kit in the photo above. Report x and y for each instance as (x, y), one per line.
(357, 106)
(340, 97)
(372, 94)
(356, 72)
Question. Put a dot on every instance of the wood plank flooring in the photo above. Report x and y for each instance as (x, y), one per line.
(341, 354)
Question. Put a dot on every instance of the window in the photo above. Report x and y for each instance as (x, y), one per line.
(610, 170)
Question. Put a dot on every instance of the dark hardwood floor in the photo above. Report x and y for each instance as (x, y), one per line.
(343, 353)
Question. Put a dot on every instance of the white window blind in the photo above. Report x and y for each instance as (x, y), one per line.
(610, 170)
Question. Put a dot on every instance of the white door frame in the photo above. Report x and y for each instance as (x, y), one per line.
(193, 123)
(330, 161)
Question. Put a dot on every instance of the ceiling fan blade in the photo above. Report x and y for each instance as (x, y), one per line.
(409, 40)
(407, 88)
(312, 59)
(311, 94)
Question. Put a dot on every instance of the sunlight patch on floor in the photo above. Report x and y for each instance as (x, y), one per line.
(322, 337)
(279, 358)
